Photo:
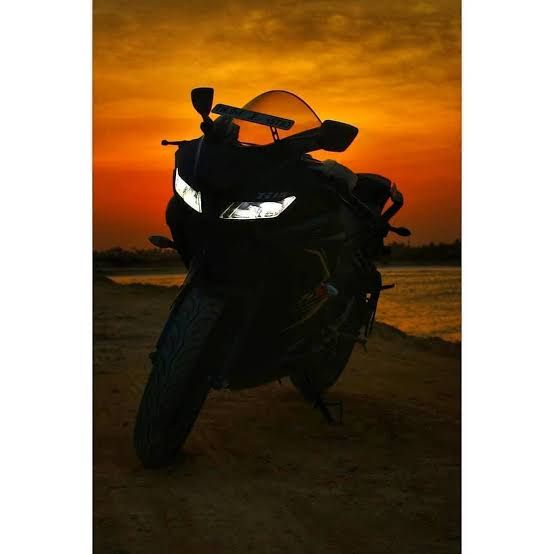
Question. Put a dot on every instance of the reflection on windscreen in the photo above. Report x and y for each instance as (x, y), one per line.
(279, 103)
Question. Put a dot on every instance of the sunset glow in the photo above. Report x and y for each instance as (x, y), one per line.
(390, 68)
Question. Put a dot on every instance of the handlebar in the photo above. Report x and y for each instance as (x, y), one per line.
(172, 142)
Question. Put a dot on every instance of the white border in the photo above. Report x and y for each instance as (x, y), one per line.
(507, 460)
(46, 307)
(45, 402)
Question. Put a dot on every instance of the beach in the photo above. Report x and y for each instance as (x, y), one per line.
(425, 300)
(261, 470)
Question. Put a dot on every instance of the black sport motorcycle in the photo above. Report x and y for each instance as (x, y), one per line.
(280, 251)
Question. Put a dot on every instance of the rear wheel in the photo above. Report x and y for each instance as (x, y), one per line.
(323, 371)
(178, 384)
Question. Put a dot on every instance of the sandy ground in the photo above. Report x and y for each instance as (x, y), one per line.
(262, 472)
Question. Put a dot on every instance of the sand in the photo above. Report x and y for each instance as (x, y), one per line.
(262, 472)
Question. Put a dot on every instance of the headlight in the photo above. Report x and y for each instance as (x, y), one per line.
(257, 210)
(187, 193)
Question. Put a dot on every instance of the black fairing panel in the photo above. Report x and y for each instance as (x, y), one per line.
(185, 158)
(373, 189)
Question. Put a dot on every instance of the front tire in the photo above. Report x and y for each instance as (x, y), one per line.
(178, 384)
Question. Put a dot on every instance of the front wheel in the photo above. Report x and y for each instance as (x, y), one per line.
(178, 384)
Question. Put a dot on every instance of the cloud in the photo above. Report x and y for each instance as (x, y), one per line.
(392, 68)
(353, 44)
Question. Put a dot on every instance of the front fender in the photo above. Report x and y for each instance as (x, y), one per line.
(229, 337)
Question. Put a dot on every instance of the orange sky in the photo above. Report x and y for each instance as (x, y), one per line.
(391, 68)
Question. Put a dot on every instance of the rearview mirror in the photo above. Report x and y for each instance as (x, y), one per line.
(202, 100)
(336, 136)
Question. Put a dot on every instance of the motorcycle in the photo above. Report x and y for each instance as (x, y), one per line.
(280, 250)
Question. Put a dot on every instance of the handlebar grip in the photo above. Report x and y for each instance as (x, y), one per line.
(172, 142)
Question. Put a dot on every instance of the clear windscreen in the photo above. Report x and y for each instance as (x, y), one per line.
(278, 103)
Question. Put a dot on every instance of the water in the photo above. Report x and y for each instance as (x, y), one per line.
(426, 300)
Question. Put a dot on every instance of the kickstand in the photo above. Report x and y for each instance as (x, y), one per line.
(323, 406)
(324, 409)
